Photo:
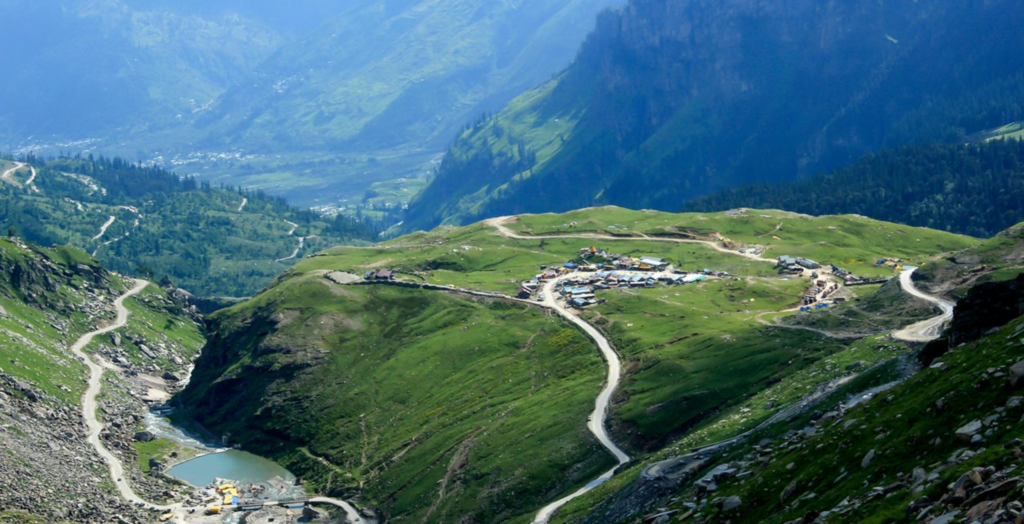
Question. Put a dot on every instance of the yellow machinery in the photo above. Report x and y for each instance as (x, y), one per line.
(213, 510)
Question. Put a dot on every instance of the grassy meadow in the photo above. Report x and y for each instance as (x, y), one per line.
(396, 393)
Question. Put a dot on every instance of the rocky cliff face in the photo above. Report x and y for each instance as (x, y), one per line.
(987, 307)
(670, 100)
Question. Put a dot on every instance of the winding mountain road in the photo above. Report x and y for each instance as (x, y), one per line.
(8, 176)
(500, 224)
(32, 179)
(95, 427)
(598, 419)
(90, 405)
(295, 254)
(293, 225)
(926, 330)
(353, 516)
(104, 227)
(920, 332)
(302, 243)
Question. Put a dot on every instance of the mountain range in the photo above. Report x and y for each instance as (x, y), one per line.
(668, 101)
(830, 331)
(251, 94)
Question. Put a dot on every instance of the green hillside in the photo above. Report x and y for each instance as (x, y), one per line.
(201, 237)
(395, 394)
(403, 393)
(908, 454)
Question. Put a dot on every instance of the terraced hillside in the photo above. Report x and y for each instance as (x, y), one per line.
(48, 298)
(422, 394)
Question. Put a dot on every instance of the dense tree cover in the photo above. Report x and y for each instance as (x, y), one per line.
(198, 235)
(974, 189)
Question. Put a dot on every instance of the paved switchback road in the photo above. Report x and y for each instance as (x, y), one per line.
(353, 516)
(103, 229)
(926, 330)
(599, 417)
(922, 331)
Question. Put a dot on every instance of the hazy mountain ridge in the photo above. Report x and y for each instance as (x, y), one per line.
(315, 108)
(410, 73)
(669, 100)
(88, 70)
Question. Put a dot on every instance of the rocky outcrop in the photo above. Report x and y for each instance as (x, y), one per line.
(987, 307)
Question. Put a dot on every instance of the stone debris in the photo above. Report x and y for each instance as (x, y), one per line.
(47, 468)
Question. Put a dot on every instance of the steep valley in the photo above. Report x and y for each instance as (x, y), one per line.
(512, 262)
(444, 376)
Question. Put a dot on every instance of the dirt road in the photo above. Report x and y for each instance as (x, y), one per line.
(104, 227)
(302, 242)
(95, 427)
(89, 403)
(8, 176)
(501, 225)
